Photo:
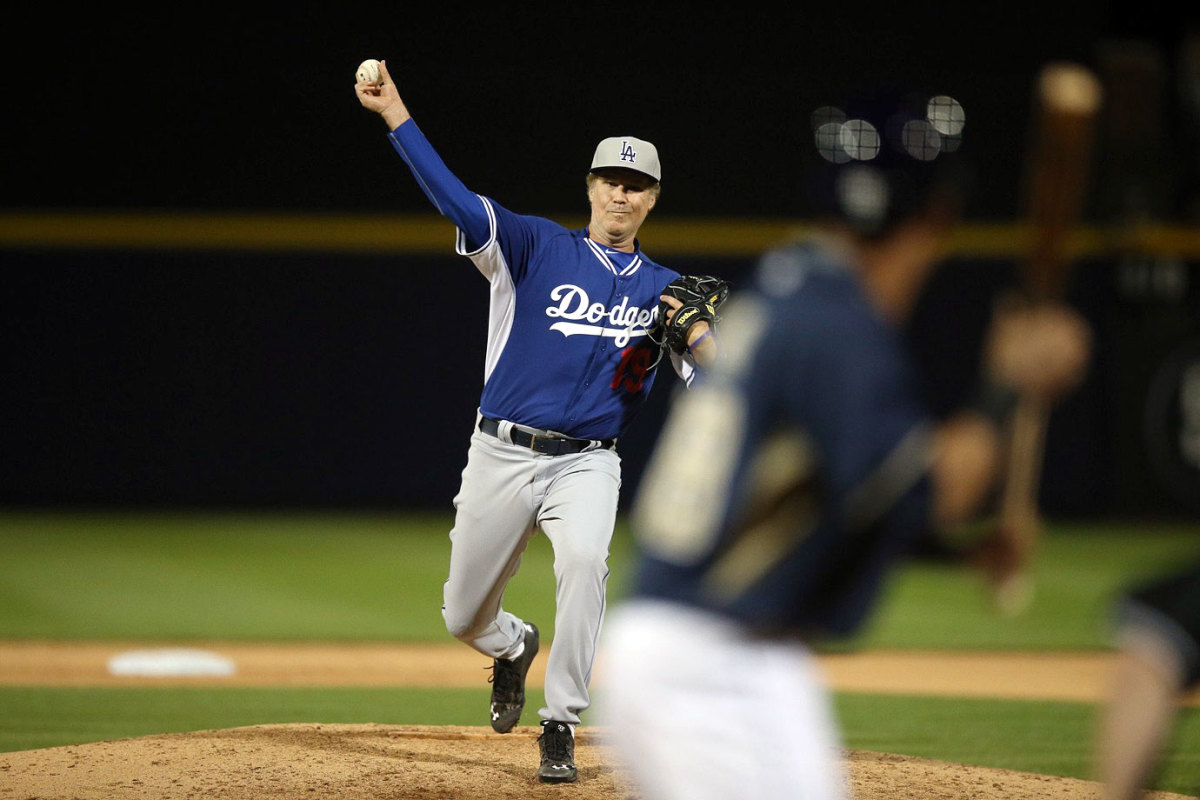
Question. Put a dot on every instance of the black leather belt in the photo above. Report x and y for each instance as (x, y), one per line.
(547, 445)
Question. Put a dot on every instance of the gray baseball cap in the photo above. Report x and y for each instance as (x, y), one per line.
(627, 152)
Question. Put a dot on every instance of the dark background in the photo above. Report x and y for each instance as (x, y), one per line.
(217, 378)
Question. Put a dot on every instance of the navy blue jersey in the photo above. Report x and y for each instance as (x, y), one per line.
(788, 481)
(567, 348)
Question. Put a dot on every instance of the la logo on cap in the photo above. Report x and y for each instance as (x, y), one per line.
(627, 152)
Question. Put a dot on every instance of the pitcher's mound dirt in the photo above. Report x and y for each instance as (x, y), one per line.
(422, 763)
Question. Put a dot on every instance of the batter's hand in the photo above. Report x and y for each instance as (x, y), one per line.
(383, 98)
(1039, 349)
(997, 556)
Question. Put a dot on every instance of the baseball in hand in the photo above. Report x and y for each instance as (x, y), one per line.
(368, 72)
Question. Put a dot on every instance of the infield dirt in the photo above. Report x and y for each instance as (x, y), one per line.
(461, 763)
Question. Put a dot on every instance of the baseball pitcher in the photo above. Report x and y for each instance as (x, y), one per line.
(578, 322)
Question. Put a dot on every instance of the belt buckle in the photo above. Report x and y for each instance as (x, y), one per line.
(533, 437)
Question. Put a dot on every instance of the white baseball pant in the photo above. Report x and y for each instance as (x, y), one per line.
(508, 493)
(696, 709)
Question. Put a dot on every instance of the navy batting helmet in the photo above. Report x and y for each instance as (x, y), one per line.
(879, 159)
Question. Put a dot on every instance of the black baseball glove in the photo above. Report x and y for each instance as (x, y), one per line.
(702, 296)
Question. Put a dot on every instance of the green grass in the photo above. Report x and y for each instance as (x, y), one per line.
(1039, 737)
(52, 716)
(379, 577)
(1077, 573)
(222, 576)
(171, 577)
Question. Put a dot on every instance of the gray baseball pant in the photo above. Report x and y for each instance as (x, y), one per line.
(507, 494)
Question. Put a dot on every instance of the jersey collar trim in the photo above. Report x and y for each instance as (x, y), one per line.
(598, 251)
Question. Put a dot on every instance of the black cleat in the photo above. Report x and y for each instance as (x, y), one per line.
(558, 753)
(508, 683)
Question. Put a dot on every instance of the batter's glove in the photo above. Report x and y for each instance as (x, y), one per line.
(702, 296)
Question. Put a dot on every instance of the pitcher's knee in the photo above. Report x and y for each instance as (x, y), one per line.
(461, 626)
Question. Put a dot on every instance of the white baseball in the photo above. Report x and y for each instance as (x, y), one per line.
(368, 72)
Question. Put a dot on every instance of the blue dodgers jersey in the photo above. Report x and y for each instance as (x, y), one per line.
(567, 345)
(786, 484)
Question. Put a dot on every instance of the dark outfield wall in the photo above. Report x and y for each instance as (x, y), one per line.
(225, 380)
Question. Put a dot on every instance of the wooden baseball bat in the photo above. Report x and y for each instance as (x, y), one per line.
(1067, 100)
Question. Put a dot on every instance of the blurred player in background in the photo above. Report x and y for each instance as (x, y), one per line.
(569, 363)
(1158, 660)
(797, 472)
